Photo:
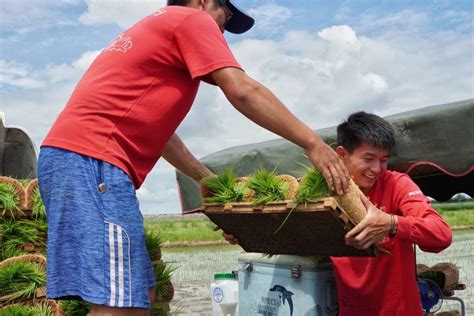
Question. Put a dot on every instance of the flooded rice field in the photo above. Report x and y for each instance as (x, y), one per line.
(196, 266)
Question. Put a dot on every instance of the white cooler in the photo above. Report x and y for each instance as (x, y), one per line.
(286, 285)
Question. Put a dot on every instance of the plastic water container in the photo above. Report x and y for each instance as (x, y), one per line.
(225, 294)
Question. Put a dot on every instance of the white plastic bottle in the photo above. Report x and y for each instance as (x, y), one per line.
(225, 294)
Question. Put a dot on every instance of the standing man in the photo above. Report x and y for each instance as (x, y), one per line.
(398, 217)
(119, 120)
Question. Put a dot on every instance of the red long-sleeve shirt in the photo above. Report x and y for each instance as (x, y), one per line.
(386, 284)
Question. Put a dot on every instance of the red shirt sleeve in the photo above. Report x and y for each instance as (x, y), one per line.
(202, 45)
(419, 223)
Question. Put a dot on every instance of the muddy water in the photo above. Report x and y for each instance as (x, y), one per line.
(196, 266)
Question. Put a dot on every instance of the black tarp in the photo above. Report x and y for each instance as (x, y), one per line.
(435, 146)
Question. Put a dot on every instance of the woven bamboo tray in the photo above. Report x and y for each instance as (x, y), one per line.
(316, 228)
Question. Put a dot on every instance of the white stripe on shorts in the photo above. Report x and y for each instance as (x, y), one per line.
(112, 264)
(120, 265)
(119, 258)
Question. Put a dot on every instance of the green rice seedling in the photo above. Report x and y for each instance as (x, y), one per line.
(21, 279)
(39, 210)
(25, 182)
(40, 225)
(15, 234)
(11, 251)
(224, 188)
(268, 187)
(27, 231)
(313, 186)
(153, 242)
(75, 307)
(159, 310)
(41, 309)
(16, 310)
(9, 200)
(162, 272)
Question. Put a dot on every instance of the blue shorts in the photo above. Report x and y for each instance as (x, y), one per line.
(96, 246)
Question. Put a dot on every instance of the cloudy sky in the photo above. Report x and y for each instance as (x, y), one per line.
(323, 59)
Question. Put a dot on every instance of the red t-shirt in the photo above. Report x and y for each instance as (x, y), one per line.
(138, 90)
(386, 284)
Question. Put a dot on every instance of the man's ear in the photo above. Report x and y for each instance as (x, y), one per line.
(341, 151)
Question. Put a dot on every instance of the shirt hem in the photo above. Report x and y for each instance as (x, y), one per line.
(78, 149)
(201, 72)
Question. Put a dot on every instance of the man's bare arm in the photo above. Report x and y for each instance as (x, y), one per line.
(260, 105)
(178, 155)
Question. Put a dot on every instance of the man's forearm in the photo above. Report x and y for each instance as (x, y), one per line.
(178, 155)
(261, 106)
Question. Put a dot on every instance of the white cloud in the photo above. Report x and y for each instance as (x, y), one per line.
(124, 15)
(26, 16)
(270, 18)
(16, 75)
(405, 21)
(322, 76)
(342, 36)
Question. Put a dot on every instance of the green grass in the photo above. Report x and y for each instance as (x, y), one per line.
(456, 213)
(463, 217)
(449, 206)
(185, 230)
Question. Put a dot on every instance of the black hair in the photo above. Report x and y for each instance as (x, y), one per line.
(362, 127)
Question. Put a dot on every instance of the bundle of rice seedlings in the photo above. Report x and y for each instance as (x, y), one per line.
(164, 290)
(38, 209)
(40, 225)
(25, 182)
(21, 279)
(75, 307)
(17, 310)
(162, 309)
(9, 200)
(352, 204)
(224, 188)
(153, 242)
(15, 235)
(42, 309)
(313, 186)
(268, 187)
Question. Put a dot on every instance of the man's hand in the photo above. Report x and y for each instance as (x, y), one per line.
(326, 160)
(205, 192)
(228, 237)
(371, 230)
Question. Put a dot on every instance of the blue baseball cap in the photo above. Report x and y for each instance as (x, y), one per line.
(240, 22)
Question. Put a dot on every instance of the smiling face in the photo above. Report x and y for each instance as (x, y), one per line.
(365, 164)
